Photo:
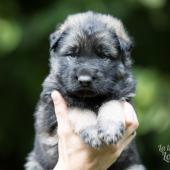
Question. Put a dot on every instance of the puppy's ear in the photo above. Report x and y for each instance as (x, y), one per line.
(125, 45)
(54, 39)
(124, 40)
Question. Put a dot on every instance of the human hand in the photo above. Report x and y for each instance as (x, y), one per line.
(74, 154)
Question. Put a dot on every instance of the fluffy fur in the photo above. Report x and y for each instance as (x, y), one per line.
(91, 67)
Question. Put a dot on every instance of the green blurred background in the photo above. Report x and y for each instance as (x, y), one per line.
(24, 30)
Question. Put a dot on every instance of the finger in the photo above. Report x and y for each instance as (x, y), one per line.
(123, 143)
(61, 111)
(126, 141)
(131, 124)
(59, 104)
(131, 120)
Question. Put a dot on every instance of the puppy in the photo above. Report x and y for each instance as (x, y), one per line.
(90, 66)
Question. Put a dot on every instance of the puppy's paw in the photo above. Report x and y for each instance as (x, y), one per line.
(111, 132)
(90, 137)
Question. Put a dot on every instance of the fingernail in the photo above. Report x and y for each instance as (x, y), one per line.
(54, 94)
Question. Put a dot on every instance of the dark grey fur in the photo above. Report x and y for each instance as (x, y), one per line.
(93, 45)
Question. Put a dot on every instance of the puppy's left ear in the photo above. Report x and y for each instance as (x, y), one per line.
(54, 39)
(125, 42)
(125, 45)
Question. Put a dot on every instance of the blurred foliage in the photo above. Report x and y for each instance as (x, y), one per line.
(9, 37)
(24, 30)
(153, 103)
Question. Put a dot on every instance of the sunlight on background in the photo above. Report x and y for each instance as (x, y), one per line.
(10, 36)
(153, 3)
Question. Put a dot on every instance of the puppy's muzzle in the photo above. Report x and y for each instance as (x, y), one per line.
(85, 80)
(85, 76)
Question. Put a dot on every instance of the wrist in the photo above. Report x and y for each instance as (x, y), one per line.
(63, 166)
(60, 166)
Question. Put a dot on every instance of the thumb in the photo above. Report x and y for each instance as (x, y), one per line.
(59, 104)
(61, 111)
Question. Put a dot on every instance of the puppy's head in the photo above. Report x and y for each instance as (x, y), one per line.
(90, 57)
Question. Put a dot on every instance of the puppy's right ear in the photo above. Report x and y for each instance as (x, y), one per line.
(54, 39)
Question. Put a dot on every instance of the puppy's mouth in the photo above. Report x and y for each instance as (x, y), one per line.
(83, 93)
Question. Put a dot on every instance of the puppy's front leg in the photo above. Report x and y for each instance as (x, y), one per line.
(111, 122)
(85, 125)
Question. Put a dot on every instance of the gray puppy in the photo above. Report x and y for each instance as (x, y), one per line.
(91, 67)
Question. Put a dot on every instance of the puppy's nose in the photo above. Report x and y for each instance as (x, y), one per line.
(85, 80)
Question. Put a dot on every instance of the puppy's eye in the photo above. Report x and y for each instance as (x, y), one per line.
(102, 54)
(107, 55)
(73, 55)
(73, 52)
